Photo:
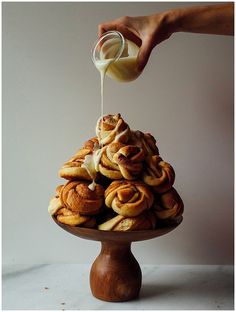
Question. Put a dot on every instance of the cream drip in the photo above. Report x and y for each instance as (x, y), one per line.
(91, 164)
(119, 135)
(97, 130)
(108, 52)
(54, 205)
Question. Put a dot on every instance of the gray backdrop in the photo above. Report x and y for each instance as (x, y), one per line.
(51, 102)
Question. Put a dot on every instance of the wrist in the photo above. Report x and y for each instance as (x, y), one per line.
(167, 22)
(173, 20)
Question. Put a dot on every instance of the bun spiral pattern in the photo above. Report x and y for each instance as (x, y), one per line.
(108, 167)
(76, 196)
(145, 141)
(128, 199)
(158, 174)
(112, 128)
(73, 169)
(169, 207)
(144, 221)
(130, 161)
(117, 181)
(66, 216)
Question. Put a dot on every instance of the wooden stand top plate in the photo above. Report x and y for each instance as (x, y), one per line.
(115, 236)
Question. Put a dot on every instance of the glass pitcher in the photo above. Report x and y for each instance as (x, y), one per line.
(117, 56)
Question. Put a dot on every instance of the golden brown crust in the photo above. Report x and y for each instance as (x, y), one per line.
(58, 190)
(128, 198)
(68, 217)
(91, 144)
(112, 128)
(109, 224)
(73, 170)
(77, 197)
(145, 141)
(107, 166)
(144, 221)
(117, 158)
(158, 174)
(130, 161)
(169, 206)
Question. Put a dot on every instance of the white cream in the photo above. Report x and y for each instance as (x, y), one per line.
(119, 135)
(122, 69)
(92, 186)
(107, 61)
(54, 205)
(98, 130)
(91, 164)
(96, 158)
(102, 66)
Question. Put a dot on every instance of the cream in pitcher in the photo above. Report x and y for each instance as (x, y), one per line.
(116, 57)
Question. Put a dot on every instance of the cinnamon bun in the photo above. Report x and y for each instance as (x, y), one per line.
(76, 196)
(128, 198)
(112, 128)
(144, 221)
(66, 216)
(145, 141)
(130, 161)
(169, 207)
(158, 174)
(107, 166)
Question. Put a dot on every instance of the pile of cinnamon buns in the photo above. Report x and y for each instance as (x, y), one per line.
(117, 182)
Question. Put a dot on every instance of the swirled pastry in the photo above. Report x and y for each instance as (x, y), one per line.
(144, 221)
(130, 161)
(112, 128)
(158, 174)
(92, 144)
(76, 196)
(69, 217)
(145, 141)
(169, 207)
(107, 166)
(73, 168)
(128, 198)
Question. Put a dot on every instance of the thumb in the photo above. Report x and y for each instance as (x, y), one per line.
(144, 54)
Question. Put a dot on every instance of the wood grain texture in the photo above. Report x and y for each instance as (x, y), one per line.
(115, 274)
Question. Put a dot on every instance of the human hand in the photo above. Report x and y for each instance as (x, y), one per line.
(145, 31)
(148, 31)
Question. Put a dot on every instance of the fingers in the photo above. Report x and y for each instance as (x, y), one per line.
(144, 54)
(133, 29)
(104, 27)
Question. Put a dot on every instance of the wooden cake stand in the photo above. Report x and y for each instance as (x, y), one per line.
(115, 274)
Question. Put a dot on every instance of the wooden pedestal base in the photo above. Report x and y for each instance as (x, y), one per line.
(115, 274)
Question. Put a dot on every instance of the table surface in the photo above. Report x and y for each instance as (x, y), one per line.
(66, 287)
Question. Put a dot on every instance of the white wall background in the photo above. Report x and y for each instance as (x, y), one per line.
(51, 102)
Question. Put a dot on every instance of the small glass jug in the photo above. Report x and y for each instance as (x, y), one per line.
(116, 56)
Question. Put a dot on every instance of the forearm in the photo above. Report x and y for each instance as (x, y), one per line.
(211, 19)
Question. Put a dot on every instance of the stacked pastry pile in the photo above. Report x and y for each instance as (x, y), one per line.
(117, 181)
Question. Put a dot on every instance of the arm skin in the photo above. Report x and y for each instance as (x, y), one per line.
(148, 31)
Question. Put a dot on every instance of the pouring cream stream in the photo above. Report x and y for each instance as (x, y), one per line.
(108, 59)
